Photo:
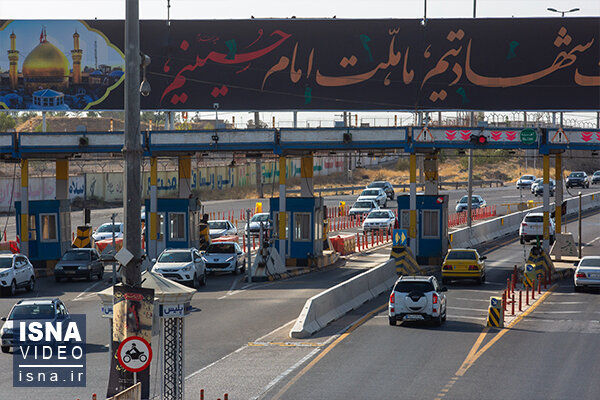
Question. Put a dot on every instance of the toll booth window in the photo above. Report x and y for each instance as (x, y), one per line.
(177, 226)
(319, 224)
(405, 219)
(302, 227)
(431, 224)
(161, 226)
(49, 228)
(32, 228)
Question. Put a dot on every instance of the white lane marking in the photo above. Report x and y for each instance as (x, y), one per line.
(231, 292)
(598, 238)
(286, 373)
(275, 330)
(453, 317)
(464, 298)
(215, 362)
(559, 312)
(85, 293)
(565, 302)
(467, 309)
(564, 294)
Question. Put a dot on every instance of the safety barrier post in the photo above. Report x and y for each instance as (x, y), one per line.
(545, 281)
(244, 243)
(533, 290)
(508, 286)
(225, 397)
(513, 304)
(520, 300)
(201, 394)
(539, 282)
(504, 300)
(365, 241)
(253, 243)
(527, 295)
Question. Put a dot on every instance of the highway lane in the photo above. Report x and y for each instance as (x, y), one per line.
(550, 353)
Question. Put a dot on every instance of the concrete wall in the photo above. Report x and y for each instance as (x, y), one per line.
(509, 224)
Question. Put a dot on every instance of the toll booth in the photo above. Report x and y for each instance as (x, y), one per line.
(49, 230)
(178, 222)
(432, 226)
(304, 229)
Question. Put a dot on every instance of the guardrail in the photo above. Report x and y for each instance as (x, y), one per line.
(406, 186)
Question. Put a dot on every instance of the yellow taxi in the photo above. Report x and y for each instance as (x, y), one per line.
(463, 264)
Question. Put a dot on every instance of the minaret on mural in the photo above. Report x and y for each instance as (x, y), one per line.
(76, 54)
(13, 58)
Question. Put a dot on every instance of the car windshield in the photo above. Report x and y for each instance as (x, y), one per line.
(527, 177)
(6, 262)
(109, 228)
(32, 311)
(370, 193)
(378, 214)
(534, 218)
(538, 180)
(590, 262)
(76, 255)
(363, 204)
(596, 173)
(465, 199)
(408, 286)
(461, 255)
(260, 218)
(175, 257)
(221, 248)
(217, 225)
(577, 174)
(376, 185)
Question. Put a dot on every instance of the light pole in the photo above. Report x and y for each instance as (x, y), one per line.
(562, 13)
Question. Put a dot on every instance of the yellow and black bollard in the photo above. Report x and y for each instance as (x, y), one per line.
(84, 237)
(496, 313)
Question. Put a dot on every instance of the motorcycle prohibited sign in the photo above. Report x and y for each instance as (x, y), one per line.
(134, 354)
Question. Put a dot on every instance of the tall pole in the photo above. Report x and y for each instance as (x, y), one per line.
(474, 8)
(132, 151)
(249, 247)
(114, 265)
(470, 182)
(580, 241)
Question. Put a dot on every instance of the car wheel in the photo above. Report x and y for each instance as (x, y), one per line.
(13, 288)
(194, 282)
(551, 240)
(5, 349)
(243, 266)
(438, 321)
(522, 240)
(57, 279)
(203, 280)
(483, 278)
(101, 274)
(31, 284)
(393, 321)
(236, 270)
(578, 288)
(479, 280)
(445, 314)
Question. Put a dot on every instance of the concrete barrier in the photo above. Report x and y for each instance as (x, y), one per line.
(509, 224)
(333, 303)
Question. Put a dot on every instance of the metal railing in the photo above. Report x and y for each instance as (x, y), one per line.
(405, 187)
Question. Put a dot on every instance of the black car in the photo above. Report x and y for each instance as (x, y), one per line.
(539, 189)
(79, 263)
(596, 177)
(385, 186)
(578, 178)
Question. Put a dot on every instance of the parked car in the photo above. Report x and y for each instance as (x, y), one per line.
(535, 184)
(525, 181)
(38, 309)
(105, 231)
(539, 188)
(596, 177)
(220, 228)
(532, 227)
(15, 272)
(379, 220)
(256, 221)
(181, 265)
(386, 186)
(463, 264)
(476, 202)
(224, 257)
(587, 273)
(377, 195)
(417, 298)
(363, 207)
(79, 263)
(578, 178)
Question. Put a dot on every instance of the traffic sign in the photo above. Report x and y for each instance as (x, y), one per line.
(528, 136)
(399, 237)
(134, 354)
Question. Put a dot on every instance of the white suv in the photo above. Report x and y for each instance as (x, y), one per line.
(181, 265)
(417, 298)
(16, 272)
(532, 227)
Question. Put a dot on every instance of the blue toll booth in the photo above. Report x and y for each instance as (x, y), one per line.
(178, 221)
(49, 230)
(432, 226)
(304, 228)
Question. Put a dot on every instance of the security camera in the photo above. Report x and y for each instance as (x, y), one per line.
(216, 106)
(145, 60)
(145, 88)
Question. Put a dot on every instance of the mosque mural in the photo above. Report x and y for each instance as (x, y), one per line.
(56, 65)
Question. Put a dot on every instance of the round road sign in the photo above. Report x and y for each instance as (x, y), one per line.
(134, 354)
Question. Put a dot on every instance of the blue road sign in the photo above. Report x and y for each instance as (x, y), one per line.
(400, 237)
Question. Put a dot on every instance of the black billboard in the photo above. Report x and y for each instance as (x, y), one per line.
(308, 64)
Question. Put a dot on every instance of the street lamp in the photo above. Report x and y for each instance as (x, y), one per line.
(562, 13)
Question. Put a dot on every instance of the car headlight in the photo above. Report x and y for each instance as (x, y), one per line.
(58, 267)
(84, 267)
(6, 331)
(4, 274)
(187, 268)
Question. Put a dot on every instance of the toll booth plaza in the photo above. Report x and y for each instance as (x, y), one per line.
(49, 230)
(430, 242)
(304, 230)
(182, 227)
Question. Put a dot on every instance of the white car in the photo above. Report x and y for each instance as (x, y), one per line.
(220, 228)
(525, 181)
(256, 221)
(16, 272)
(375, 194)
(587, 273)
(535, 184)
(417, 298)
(379, 220)
(225, 257)
(181, 265)
(532, 227)
(105, 231)
(363, 207)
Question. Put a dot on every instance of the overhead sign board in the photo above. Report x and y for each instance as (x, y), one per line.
(528, 136)
(307, 64)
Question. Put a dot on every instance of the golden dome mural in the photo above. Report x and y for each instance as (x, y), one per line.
(46, 67)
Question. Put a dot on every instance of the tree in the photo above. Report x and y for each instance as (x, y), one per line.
(6, 122)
